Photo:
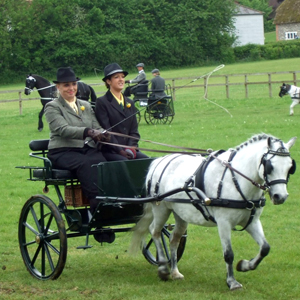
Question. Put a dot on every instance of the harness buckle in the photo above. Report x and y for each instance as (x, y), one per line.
(224, 163)
(253, 205)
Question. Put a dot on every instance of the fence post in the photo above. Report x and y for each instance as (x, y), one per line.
(20, 103)
(227, 86)
(205, 86)
(270, 85)
(246, 86)
(295, 78)
(173, 88)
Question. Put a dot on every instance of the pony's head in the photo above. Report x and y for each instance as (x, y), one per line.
(284, 89)
(276, 166)
(29, 84)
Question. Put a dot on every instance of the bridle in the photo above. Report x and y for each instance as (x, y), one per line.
(268, 166)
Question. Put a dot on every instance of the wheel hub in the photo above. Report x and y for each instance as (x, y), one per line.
(38, 239)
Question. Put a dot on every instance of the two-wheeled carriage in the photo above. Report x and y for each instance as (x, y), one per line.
(44, 226)
(158, 105)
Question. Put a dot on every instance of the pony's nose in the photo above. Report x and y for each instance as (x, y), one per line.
(279, 198)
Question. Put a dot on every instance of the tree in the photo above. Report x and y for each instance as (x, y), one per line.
(87, 34)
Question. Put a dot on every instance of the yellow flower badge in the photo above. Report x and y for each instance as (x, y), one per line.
(128, 105)
(82, 108)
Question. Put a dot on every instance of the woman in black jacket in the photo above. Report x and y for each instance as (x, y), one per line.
(117, 113)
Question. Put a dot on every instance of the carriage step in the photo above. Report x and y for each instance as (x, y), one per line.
(84, 247)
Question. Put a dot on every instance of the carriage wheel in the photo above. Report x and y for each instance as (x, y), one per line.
(149, 250)
(138, 114)
(159, 113)
(42, 238)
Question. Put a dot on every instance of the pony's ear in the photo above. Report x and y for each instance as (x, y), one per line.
(283, 84)
(291, 143)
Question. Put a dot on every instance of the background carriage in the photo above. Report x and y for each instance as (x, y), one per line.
(157, 109)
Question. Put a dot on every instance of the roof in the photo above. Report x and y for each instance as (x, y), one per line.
(288, 12)
(244, 10)
(275, 3)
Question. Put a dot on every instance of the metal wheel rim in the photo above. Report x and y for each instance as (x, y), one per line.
(42, 238)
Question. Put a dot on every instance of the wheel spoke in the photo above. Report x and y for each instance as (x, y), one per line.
(37, 223)
(46, 249)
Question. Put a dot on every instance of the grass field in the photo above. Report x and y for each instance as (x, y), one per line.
(198, 123)
(270, 37)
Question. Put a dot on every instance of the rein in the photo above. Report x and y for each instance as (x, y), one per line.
(225, 163)
(43, 88)
(40, 89)
(197, 151)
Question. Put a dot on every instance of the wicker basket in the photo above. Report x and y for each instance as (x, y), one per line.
(74, 196)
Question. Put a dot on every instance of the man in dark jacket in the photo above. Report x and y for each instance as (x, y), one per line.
(140, 78)
(157, 85)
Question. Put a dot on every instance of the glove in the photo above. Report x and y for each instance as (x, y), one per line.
(131, 152)
(98, 135)
(125, 154)
(127, 81)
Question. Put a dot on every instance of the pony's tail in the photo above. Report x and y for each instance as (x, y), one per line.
(141, 229)
(93, 96)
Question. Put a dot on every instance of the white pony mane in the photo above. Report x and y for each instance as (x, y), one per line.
(253, 139)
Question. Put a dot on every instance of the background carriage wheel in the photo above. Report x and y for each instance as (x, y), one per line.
(42, 238)
(149, 250)
(138, 107)
(159, 113)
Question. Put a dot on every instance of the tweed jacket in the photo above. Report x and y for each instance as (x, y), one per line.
(109, 113)
(140, 77)
(158, 86)
(66, 127)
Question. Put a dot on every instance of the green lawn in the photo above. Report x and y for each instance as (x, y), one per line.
(270, 37)
(106, 271)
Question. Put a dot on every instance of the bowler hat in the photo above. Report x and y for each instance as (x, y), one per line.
(65, 74)
(112, 69)
(140, 65)
(155, 71)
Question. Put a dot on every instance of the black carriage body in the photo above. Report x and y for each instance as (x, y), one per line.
(158, 109)
(43, 231)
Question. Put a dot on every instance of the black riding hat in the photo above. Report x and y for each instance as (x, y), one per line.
(65, 74)
(112, 69)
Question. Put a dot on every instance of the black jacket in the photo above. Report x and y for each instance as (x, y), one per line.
(112, 117)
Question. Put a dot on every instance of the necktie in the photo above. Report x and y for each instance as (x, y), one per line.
(74, 106)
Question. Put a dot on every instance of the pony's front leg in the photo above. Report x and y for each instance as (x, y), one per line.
(256, 231)
(294, 103)
(160, 217)
(40, 124)
(225, 236)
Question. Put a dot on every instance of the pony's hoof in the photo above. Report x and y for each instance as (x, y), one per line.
(163, 272)
(40, 129)
(291, 113)
(177, 276)
(236, 286)
(233, 284)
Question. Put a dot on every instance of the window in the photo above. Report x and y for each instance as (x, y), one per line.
(291, 35)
